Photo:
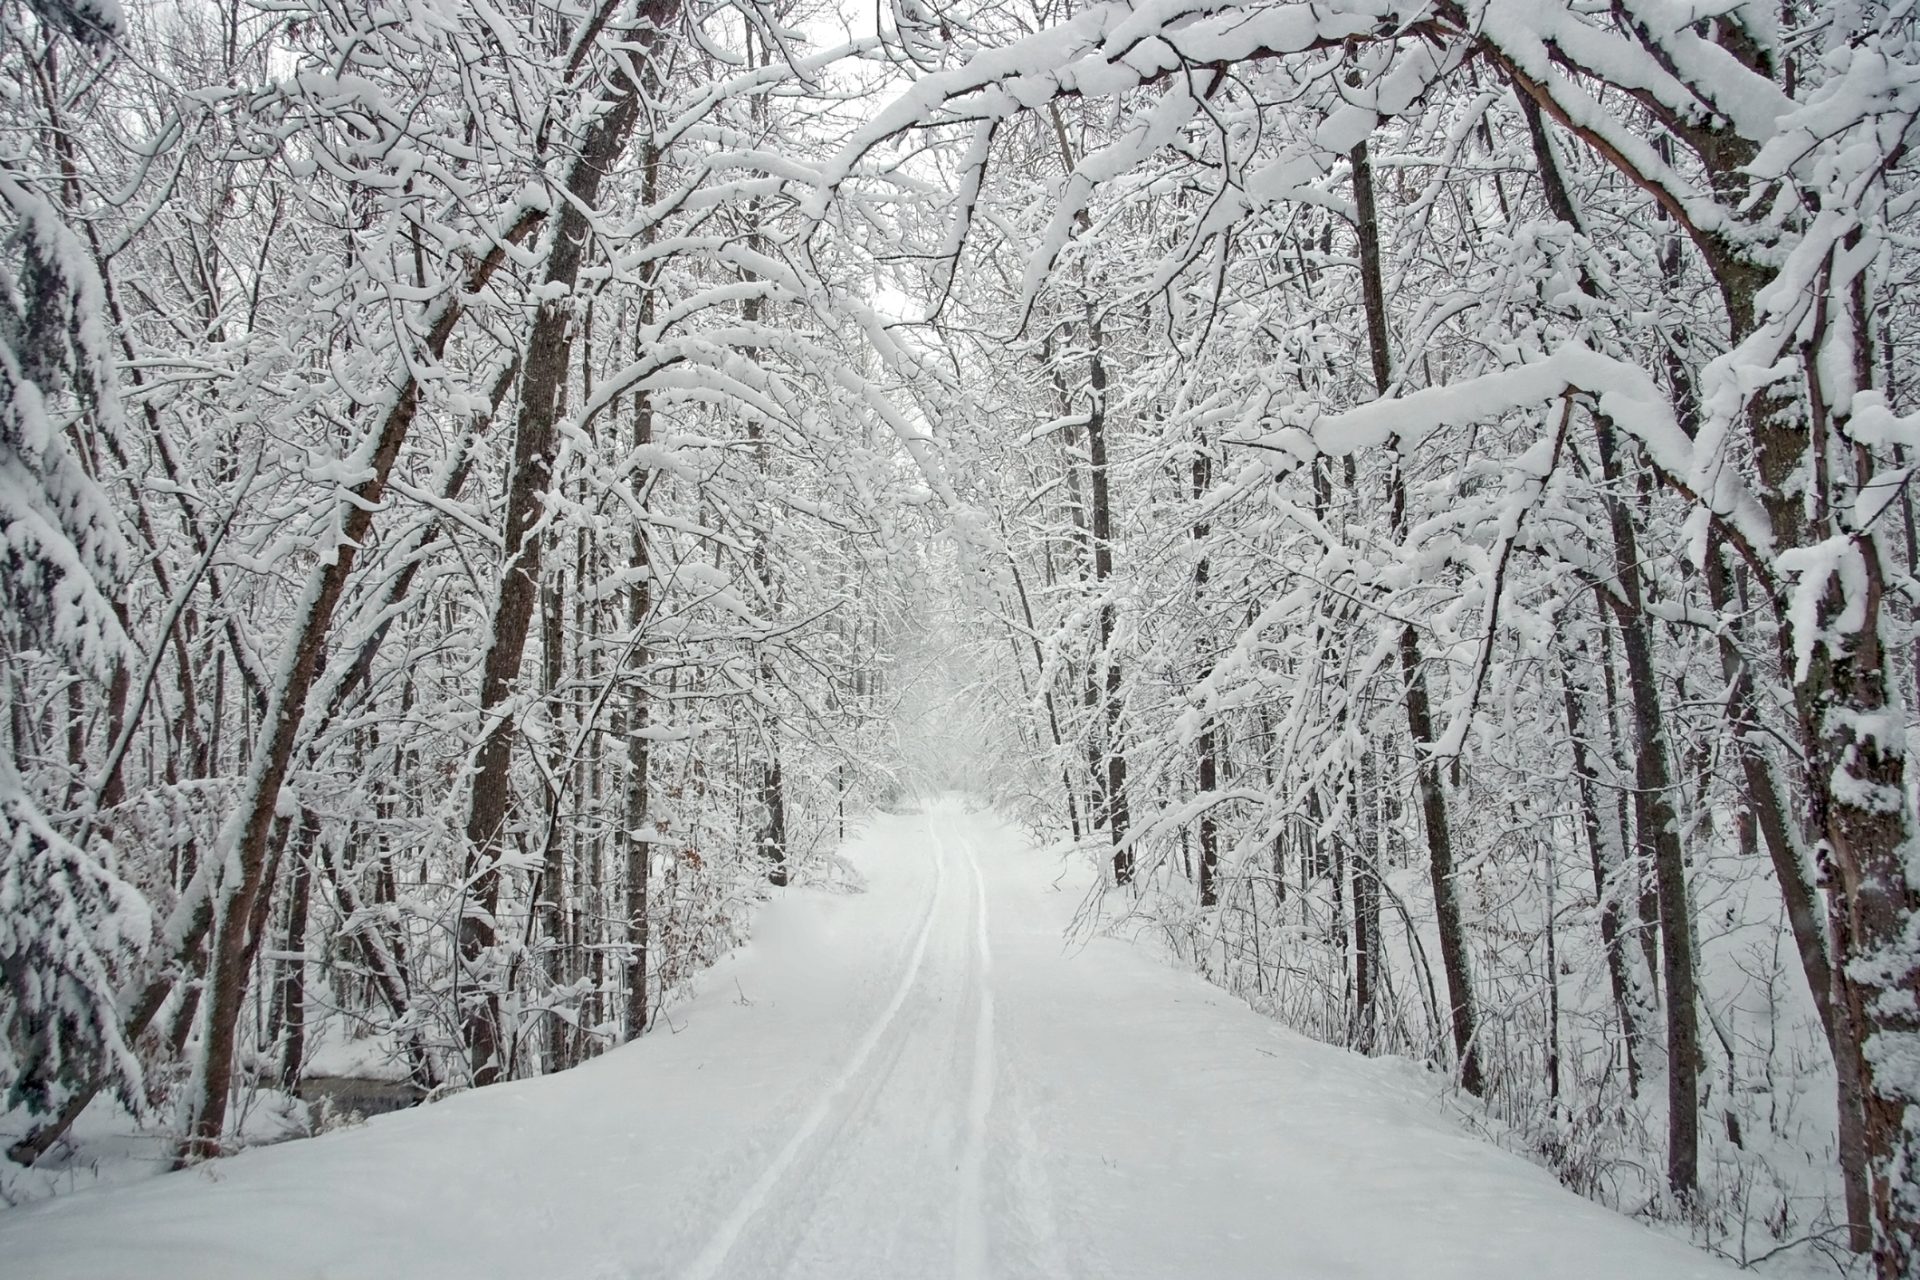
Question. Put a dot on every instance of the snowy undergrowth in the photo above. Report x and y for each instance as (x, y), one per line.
(110, 1146)
(1771, 1196)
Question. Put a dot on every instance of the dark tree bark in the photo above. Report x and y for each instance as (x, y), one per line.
(770, 840)
(290, 1014)
(1113, 813)
(1106, 756)
(1081, 540)
(549, 355)
(1367, 945)
(550, 906)
(1207, 747)
(639, 854)
(1433, 796)
(1772, 815)
(1659, 832)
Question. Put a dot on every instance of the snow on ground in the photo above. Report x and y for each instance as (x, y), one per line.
(915, 1081)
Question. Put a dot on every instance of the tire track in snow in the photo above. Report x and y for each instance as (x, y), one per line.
(970, 1223)
(710, 1259)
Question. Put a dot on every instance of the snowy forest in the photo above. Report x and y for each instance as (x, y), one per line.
(1419, 494)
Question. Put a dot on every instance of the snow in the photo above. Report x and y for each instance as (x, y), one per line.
(918, 1080)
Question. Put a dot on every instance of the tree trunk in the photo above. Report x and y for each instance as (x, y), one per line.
(639, 853)
(548, 358)
(1433, 797)
(1659, 831)
(1845, 694)
(1367, 948)
(1113, 812)
(1208, 779)
(291, 1006)
(1805, 917)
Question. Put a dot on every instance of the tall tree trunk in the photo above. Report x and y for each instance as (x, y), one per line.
(770, 840)
(1632, 868)
(1433, 797)
(1113, 814)
(550, 904)
(1560, 201)
(1805, 917)
(639, 853)
(1081, 540)
(290, 1006)
(1106, 757)
(1367, 949)
(1846, 693)
(541, 384)
(1208, 780)
(1659, 831)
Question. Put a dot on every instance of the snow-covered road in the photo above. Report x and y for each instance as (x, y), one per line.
(916, 1081)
